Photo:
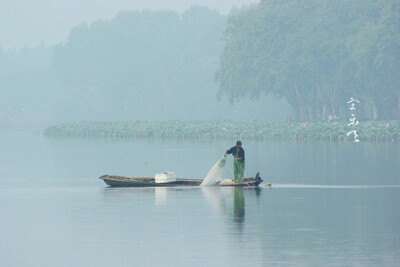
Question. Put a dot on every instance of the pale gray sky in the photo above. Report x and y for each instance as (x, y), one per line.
(31, 22)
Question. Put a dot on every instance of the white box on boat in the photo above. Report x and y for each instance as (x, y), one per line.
(165, 177)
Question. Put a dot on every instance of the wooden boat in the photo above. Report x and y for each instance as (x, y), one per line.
(122, 181)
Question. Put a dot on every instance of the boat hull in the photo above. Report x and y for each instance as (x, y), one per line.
(246, 182)
(254, 182)
(123, 181)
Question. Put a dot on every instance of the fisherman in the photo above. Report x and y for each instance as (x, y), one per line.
(238, 163)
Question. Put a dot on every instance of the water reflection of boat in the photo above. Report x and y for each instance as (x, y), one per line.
(123, 181)
(238, 207)
(229, 201)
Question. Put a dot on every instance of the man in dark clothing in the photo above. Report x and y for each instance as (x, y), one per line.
(238, 163)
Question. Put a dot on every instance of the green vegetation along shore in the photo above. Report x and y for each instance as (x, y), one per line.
(387, 131)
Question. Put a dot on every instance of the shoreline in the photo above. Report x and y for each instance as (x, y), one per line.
(378, 131)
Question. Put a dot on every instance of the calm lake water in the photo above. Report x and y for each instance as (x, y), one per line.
(329, 204)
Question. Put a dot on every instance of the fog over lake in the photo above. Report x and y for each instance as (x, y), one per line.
(136, 90)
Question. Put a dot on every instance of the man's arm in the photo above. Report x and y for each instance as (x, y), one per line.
(229, 151)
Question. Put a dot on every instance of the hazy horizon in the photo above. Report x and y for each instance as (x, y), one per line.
(49, 22)
(125, 60)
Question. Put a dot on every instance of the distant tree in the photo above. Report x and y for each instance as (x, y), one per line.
(315, 55)
(141, 62)
(375, 54)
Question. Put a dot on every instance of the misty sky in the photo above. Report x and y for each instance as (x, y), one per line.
(32, 22)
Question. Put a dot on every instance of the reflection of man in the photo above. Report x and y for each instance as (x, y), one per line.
(238, 163)
(238, 208)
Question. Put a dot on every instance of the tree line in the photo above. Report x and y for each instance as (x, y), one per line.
(139, 65)
(313, 55)
(316, 55)
(143, 63)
